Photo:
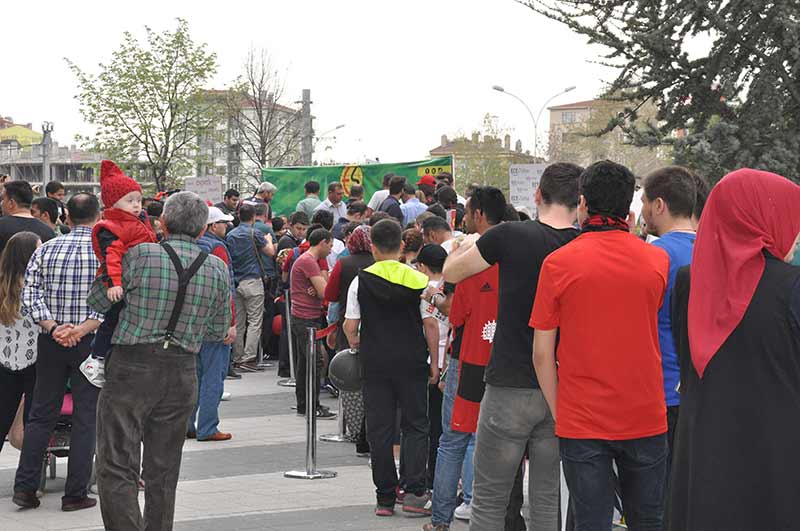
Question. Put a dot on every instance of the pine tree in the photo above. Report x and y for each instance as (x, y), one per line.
(724, 74)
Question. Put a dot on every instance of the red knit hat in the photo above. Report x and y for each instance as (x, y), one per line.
(114, 185)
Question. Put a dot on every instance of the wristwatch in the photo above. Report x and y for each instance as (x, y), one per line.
(52, 329)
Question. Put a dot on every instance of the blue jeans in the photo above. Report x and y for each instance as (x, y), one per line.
(454, 458)
(212, 366)
(642, 471)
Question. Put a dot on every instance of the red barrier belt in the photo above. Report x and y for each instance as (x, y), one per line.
(325, 332)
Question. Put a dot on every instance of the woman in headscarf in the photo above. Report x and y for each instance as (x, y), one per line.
(736, 320)
(346, 269)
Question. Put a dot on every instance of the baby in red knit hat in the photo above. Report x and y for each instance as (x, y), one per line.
(123, 226)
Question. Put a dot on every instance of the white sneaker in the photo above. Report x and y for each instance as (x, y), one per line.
(225, 396)
(463, 512)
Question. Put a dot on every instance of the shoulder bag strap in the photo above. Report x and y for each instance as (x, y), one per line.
(184, 276)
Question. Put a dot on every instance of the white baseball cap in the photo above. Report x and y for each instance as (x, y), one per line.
(215, 215)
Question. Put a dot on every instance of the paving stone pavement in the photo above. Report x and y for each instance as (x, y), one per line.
(239, 484)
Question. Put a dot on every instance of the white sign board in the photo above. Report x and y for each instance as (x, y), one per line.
(208, 188)
(523, 180)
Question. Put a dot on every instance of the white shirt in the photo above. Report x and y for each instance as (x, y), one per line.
(353, 308)
(336, 250)
(377, 199)
(18, 344)
(338, 211)
(428, 310)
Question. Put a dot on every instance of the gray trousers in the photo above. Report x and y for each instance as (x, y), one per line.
(510, 420)
(249, 300)
(147, 399)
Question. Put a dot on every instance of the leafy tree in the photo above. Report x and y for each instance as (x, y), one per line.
(736, 104)
(266, 131)
(147, 104)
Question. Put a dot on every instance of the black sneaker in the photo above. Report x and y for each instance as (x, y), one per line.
(325, 414)
(233, 375)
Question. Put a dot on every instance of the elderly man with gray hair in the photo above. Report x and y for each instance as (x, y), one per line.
(264, 194)
(176, 296)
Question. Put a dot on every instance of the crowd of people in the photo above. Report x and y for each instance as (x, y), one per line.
(656, 368)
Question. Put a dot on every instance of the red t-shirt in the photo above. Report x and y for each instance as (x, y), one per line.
(474, 307)
(304, 305)
(603, 291)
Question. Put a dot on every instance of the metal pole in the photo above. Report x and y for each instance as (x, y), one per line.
(311, 471)
(307, 139)
(289, 382)
(342, 435)
(47, 129)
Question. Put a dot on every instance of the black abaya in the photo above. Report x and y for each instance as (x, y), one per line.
(737, 450)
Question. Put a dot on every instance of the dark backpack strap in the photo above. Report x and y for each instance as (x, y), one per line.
(184, 276)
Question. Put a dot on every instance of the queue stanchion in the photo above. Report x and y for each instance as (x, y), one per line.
(289, 382)
(312, 383)
(342, 435)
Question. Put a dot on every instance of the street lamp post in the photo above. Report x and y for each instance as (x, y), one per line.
(47, 130)
(535, 120)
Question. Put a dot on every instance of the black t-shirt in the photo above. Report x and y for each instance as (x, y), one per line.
(10, 225)
(520, 248)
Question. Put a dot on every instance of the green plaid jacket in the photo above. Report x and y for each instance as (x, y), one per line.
(151, 284)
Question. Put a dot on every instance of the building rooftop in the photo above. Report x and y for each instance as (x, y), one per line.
(577, 105)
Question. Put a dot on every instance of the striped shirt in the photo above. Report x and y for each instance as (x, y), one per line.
(58, 278)
(151, 284)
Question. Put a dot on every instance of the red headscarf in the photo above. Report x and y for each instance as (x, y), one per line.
(747, 212)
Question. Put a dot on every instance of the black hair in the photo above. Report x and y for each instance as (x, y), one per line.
(155, 209)
(396, 184)
(523, 216)
(510, 213)
(435, 224)
(319, 236)
(357, 207)
(378, 216)
(232, 192)
(386, 179)
(324, 218)
(300, 218)
(675, 185)
(53, 187)
(277, 224)
(702, 188)
(332, 187)
(348, 229)
(83, 208)
(408, 189)
(438, 210)
(247, 212)
(45, 204)
(446, 175)
(386, 235)
(312, 187)
(311, 228)
(21, 192)
(608, 188)
(447, 197)
(356, 191)
(559, 184)
(490, 201)
(260, 209)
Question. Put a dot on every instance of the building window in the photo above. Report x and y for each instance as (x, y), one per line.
(568, 117)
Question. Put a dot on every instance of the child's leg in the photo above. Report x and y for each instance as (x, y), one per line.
(102, 338)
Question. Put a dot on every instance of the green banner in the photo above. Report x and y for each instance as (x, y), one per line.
(290, 180)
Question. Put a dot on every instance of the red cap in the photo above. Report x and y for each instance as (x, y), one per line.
(427, 179)
(114, 185)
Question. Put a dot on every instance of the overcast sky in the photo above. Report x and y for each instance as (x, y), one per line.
(397, 74)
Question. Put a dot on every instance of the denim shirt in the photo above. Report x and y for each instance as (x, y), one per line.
(243, 252)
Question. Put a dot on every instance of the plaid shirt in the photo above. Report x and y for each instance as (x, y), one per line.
(151, 284)
(58, 278)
